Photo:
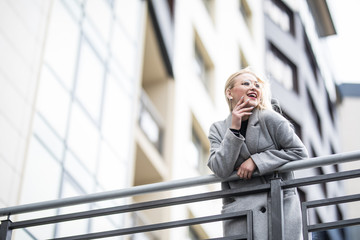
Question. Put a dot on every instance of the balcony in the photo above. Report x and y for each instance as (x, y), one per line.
(151, 123)
(275, 188)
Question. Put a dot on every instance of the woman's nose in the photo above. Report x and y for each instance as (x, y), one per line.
(252, 86)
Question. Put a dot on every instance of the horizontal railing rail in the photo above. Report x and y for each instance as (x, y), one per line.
(275, 188)
(172, 185)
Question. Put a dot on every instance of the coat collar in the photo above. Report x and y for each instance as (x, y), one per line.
(252, 132)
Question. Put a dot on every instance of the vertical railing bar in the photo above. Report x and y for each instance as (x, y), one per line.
(5, 230)
(304, 221)
(249, 224)
(277, 216)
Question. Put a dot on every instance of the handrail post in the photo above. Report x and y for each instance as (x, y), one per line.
(276, 209)
(5, 231)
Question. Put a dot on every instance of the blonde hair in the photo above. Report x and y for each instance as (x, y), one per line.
(265, 100)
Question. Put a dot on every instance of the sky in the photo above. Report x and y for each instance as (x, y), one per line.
(345, 45)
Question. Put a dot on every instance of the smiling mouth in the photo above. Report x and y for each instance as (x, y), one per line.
(252, 95)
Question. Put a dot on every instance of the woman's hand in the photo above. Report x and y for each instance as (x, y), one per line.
(239, 113)
(246, 169)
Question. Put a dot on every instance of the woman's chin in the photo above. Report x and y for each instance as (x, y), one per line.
(253, 103)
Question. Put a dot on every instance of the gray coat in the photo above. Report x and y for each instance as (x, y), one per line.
(270, 142)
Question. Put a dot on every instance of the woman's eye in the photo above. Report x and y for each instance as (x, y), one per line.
(246, 83)
(257, 85)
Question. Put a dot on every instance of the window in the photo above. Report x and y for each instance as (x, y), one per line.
(331, 107)
(150, 122)
(203, 65)
(199, 149)
(280, 14)
(315, 113)
(281, 68)
(311, 57)
(200, 152)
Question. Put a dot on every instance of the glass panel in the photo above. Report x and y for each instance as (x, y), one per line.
(111, 170)
(280, 70)
(150, 122)
(79, 173)
(117, 118)
(83, 138)
(279, 16)
(53, 102)
(40, 185)
(93, 37)
(128, 12)
(75, 7)
(149, 126)
(127, 83)
(198, 153)
(100, 15)
(90, 81)
(123, 50)
(62, 44)
(46, 136)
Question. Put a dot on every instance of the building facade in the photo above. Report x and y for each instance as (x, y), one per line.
(349, 116)
(100, 95)
(303, 84)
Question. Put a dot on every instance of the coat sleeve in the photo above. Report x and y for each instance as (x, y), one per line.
(289, 147)
(226, 153)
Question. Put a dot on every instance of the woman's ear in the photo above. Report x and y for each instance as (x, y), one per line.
(228, 94)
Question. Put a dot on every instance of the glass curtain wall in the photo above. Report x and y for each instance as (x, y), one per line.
(82, 129)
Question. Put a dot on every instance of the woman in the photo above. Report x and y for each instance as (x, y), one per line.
(254, 138)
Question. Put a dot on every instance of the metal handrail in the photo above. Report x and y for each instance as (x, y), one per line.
(171, 185)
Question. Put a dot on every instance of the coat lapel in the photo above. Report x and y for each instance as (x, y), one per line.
(253, 132)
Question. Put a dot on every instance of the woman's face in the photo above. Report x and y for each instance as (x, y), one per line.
(247, 86)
